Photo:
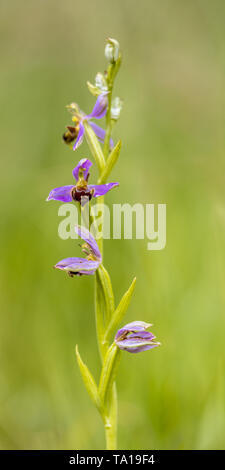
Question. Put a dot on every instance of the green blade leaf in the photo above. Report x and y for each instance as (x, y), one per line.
(107, 290)
(89, 382)
(100, 308)
(109, 371)
(111, 161)
(120, 310)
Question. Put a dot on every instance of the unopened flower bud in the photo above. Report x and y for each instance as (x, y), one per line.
(73, 108)
(112, 50)
(100, 85)
(116, 107)
(100, 82)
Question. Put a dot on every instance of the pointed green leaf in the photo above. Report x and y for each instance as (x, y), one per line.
(100, 308)
(107, 292)
(111, 161)
(109, 371)
(120, 310)
(89, 381)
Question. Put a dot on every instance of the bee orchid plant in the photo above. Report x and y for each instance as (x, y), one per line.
(133, 337)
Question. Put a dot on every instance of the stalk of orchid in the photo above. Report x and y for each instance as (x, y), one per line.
(132, 337)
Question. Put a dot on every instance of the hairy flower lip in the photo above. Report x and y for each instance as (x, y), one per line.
(82, 195)
(70, 134)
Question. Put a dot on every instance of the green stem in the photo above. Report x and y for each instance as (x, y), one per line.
(110, 414)
(100, 240)
(111, 435)
(111, 423)
(111, 427)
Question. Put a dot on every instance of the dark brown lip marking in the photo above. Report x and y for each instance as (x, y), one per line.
(79, 193)
(71, 134)
(72, 274)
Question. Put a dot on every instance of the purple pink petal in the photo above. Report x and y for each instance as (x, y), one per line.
(101, 189)
(63, 194)
(89, 239)
(80, 136)
(100, 107)
(78, 265)
(85, 164)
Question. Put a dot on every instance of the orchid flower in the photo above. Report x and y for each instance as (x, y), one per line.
(79, 266)
(134, 338)
(76, 133)
(81, 190)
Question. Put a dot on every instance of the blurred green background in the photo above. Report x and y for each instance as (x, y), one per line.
(172, 127)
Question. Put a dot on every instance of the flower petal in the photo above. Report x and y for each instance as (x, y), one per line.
(100, 107)
(67, 261)
(80, 137)
(123, 332)
(135, 326)
(100, 133)
(85, 164)
(63, 193)
(101, 189)
(133, 345)
(89, 239)
(78, 265)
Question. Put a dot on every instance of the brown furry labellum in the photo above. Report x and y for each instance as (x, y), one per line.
(71, 134)
(79, 193)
